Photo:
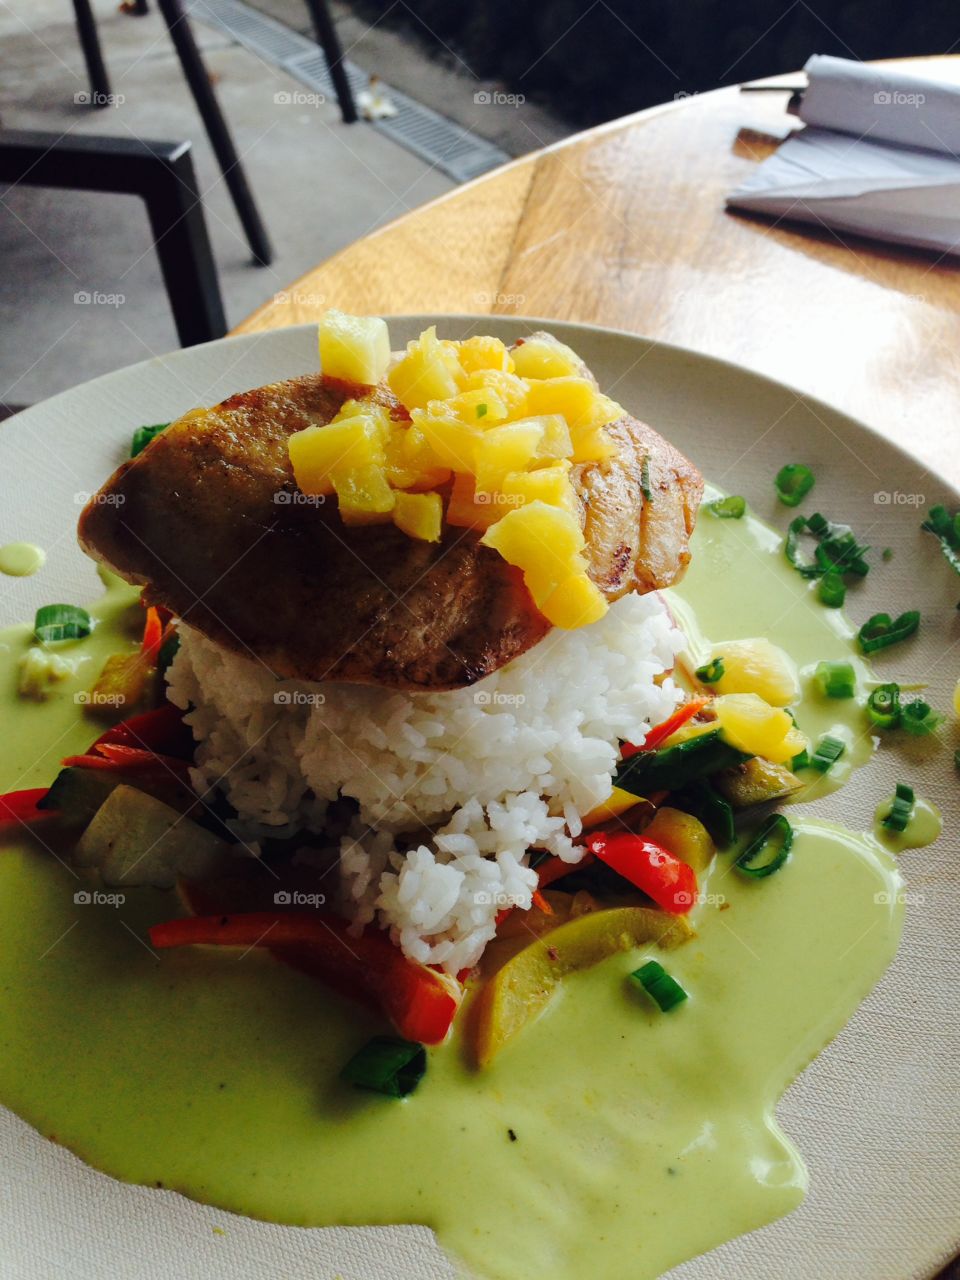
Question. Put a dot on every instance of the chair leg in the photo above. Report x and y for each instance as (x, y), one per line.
(326, 34)
(217, 131)
(90, 44)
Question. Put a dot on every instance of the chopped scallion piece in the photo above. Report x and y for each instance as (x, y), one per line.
(901, 810)
(837, 550)
(881, 631)
(793, 483)
(710, 672)
(729, 508)
(887, 553)
(836, 679)
(942, 525)
(645, 480)
(481, 410)
(768, 850)
(883, 706)
(800, 761)
(143, 435)
(387, 1065)
(919, 718)
(828, 752)
(61, 622)
(832, 590)
(658, 984)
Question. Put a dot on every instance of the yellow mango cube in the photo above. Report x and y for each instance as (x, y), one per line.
(575, 398)
(451, 441)
(429, 371)
(541, 358)
(419, 514)
(549, 484)
(754, 727)
(757, 666)
(484, 353)
(509, 447)
(319, 454)
(355, 348)
(511, 390)
(537, 538)
(482, 407)
(363, 494)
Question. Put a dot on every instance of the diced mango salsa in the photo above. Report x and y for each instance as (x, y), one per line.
(754, 727)
(511, 390)
(355, 348)
(482, 407)
(319, 454)
(510, 447)
(429, 371)
(550, 484)
(757, 666)
(468, 509)
(363, 494)
(452, 443)
(485, 353)
(539, 358)
(574, 398)
(555, 443)
(419, 514)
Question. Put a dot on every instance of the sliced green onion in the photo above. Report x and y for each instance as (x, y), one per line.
(793, 483)
(883, 706)
(887, 553)
(828, 752)
(836, 679)
(143, 435)
(729, 508)
(710, 672)
(705, 803)
(768, 850)
(919, 718)
(831, 589)
(901, 810)
(881, 631)
(481, 410)
(666, 991)
(800, 761)
(645, 480)
(670, 768)
(791, 547)
(942, 525)
(837, 550)
(387, 1065)
(61, 622)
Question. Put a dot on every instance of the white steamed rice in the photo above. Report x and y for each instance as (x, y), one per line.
(507, 765)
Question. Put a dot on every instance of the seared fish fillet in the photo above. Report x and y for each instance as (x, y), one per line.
(209, 520)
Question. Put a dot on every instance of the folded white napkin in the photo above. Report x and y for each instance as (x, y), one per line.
(879, 157)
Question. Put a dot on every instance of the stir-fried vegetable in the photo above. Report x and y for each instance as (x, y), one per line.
(670, 768)
(701, 799)
(757, 781)
(387, 1065)
(683, 835)
(654, 870)
(711, 671)
(524, 985)
(667, 728)
(143, 436)
(61, 622)
(420, 1002)
(665, 991)
(23, 808)
(161, 731)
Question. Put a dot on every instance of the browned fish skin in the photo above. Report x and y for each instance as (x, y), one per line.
(209, 519)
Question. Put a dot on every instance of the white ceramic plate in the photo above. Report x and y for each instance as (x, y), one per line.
(877, 1116)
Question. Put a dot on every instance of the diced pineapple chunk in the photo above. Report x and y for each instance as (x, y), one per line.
(606, 411)
(419, 514)
(550, 485)
(468, 509)
(429, 371)
(484, 353)
(363, 494)
(540, 358)
(319, 454)
(452, 443)
(753, 726)
(616, 803)
(592, 444)
(556, 442)
(575, 602)
(575, 398)
(511, 390)
(355, 348)
(482, 407)
(410, 462)
(757, 666)
(510, 447)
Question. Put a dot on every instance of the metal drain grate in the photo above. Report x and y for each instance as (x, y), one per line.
(453, 150)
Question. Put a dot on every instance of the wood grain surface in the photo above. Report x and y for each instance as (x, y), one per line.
(625, 226)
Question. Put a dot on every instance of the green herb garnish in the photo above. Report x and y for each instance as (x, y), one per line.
(793, 482)
(883, 706)
(832, 590)
(658, 984)
(61, 622)
(828, 752)
(143, 435)
(387, 1065)
(645, 480)
(730, 508)
(901, 810)
(837, 550)
(768, 850)
(942, 525)
(710, 672)
(881, 631)
(836, 679)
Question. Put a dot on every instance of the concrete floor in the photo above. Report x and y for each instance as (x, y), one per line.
(320, 184)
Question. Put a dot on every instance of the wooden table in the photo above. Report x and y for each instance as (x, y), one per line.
(625, 226)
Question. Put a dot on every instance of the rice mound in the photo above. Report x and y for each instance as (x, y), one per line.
(497, 769)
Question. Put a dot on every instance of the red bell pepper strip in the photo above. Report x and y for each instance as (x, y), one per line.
(660, 732)
(122, 759)
(420, 1002)
(152, 636)
(19, 808)
(672, 884)
(161, 731)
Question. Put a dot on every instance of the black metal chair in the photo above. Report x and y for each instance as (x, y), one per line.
(162, 174)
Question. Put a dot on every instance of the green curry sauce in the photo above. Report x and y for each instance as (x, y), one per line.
(607, 1140)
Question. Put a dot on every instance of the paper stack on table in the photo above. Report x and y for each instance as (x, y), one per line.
(880, 157)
